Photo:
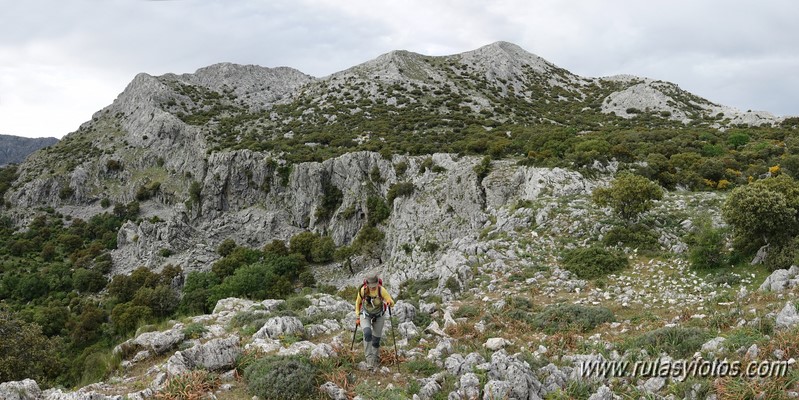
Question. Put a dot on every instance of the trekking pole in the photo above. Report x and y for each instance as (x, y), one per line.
(393, 335)
(353, 337)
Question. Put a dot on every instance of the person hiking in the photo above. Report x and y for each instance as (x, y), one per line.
(371, 304)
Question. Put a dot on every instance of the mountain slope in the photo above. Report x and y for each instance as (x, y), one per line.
(14, 149)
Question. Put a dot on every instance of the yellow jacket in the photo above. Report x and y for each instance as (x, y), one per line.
(376, 301)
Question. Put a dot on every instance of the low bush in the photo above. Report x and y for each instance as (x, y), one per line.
(593, 262)
(281, 378)
(677, 342)
(637, 236)
(297, 303)
(189, 385)
(707, 246)
(571, 317)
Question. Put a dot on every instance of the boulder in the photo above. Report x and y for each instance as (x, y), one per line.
(215, 355)
(26, 389)
(408, 330)
(603, 393)
(155, 342)
(333, 391)
(780, 280)
(788, 316)
(469, 387)
(495, 344)
(495, 389)
(714, 345)
(517, 373)
(403, 312)
(280, 326)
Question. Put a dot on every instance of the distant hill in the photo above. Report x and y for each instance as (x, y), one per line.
(14, 149)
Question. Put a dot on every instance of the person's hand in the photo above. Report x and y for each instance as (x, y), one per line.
(390, 303)
(357, 322)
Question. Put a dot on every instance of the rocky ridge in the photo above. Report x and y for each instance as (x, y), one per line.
(14, 149)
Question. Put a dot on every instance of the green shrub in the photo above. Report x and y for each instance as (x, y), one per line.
(97, 366)
(707, 246)
(781, 255)
(400, 168)
(276, 247)
(194, 330)
(226, 247)
(593, 262)
(677, 342)
(430, 247)
(189, 385)
(483, 168)
(377, 210)
(638, 236)
(323, 249)
(281, 378)
(24, 351)
(298, 303)
(401, 189)
(307, 279)
(628, 195)
(467, 311)
(571, 317)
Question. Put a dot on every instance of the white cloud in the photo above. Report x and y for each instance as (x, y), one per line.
(66, 60)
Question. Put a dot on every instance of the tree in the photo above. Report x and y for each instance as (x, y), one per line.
(762, 212)
(629, 196)
(707, 246)
(765, 213)
(303, 243)
(226, 247)
(24, 351)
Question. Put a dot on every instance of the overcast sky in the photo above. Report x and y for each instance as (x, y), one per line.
(61, 61)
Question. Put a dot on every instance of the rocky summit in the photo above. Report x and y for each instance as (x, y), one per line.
(546, 235)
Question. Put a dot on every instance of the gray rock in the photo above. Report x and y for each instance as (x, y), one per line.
(497, 390)
(323, 350)
(752, 352)
(780, 280)
(215, 355)
(427, 308)
(333, 391)
(430, 387)
(408, 330)
(280, 326)
(554, 378)
(26, 389)
(788, 317)
(653, 385)
(603, 393)
(469, 386)
(433, 328)
(82, 394)
(403, 312)
(495, 344)
(522, 380)
(713, 345)
(156, 342)
(443, 348)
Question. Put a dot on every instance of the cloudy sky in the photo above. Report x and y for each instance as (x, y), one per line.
(60, 61)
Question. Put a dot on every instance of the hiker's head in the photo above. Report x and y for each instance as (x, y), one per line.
(372, 281)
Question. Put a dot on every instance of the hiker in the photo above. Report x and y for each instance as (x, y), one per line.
(371, 304)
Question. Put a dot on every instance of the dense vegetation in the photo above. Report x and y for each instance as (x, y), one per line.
(55, 294)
